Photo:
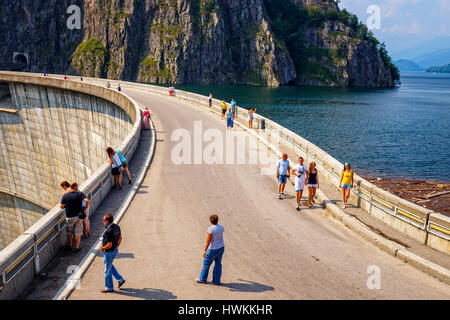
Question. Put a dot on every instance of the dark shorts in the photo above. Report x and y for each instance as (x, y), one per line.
(230, 122)
(224, 111)
(125, 164)
(115, 171)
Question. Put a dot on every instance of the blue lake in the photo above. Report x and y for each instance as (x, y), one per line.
(402, 132)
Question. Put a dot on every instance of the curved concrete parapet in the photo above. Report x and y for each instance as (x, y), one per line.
(424, 225)
(59, 131)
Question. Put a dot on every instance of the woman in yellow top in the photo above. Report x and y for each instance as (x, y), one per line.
(224, 108)
(346, 183)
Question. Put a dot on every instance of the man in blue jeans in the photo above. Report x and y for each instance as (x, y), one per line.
(112, 238)
(214, 250)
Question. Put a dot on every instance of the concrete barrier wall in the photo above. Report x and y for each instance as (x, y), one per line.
(23, 259)
(54, 135)
(420, 223)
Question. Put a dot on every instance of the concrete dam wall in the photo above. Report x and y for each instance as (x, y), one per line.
(48, 135)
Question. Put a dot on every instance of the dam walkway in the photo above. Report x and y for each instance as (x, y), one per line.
(272, 251)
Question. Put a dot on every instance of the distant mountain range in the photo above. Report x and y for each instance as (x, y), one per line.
(443, 69)
(408, 66)
(431, 53)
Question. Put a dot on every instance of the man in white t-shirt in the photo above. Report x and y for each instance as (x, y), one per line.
(282, 174)
(301, 172)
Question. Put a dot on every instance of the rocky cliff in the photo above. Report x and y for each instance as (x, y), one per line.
(193, 41)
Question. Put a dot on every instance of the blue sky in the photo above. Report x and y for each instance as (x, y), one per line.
(405, 23)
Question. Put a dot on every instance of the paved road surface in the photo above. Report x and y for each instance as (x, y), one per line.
(271, 250)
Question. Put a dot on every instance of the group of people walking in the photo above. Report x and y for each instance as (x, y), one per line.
(309, 177)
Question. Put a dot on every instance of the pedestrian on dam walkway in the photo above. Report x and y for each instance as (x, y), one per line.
(210, 99)
(346, 183)
(119, 88)
(283, 172)
(124, 165)
(146, 119)
(86, 223)
(301, 174)
(313, 183)
(251, 112)
(224, 108)
(111, 239)
(214, 250)
(116, 167)
(230, 122)
(72, 202)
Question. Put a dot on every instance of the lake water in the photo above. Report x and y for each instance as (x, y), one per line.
(402, 132)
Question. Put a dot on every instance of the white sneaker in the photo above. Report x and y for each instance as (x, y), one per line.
(279, 196)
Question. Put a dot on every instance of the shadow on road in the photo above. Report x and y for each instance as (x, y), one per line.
(147, 293)
(248, 286)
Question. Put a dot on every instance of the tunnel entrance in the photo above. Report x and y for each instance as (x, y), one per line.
(5, 96)
(21, 61)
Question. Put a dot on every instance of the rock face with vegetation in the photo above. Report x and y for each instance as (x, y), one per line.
(264, 42)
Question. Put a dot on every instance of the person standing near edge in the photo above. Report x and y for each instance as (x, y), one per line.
(214, 250)
(146, 119)
(72, 202)
(313, 183)
(125, 165)
(233, 107)
(116, 167)
(250, 117)
(224, 108)
(86, 223)
(111, 240)
(346, 183)
(283, 173)
(210, 99)
(230, 122)
(119, 88)
(301, 174)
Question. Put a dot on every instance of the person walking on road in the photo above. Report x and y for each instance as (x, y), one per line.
(346, 183)
(283, 173)
(72, 203)
(230, 122)
(224, 108)
(301, 174)
(124, 165)
(116, 167)
(210, 99)
(313, 183)
(251, 112)
(111, 240)
(146, 119)
(119, 88)
(214, 250)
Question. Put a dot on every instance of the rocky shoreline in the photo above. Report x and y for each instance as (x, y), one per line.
(428, 194)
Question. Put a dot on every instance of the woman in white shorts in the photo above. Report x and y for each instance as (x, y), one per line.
(301, 173)
(313, 183)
